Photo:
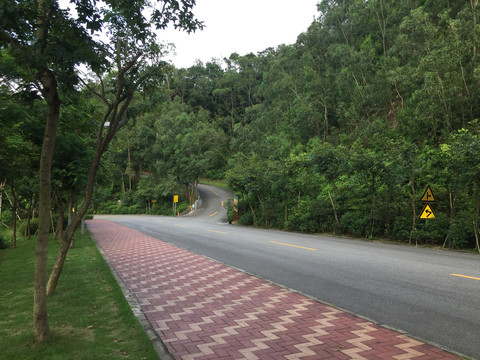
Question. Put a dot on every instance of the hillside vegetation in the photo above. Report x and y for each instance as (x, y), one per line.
(341, 132)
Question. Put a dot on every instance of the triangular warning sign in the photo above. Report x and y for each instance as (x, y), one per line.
(427, 213)
(428, 195)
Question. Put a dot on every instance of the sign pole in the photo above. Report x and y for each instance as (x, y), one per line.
(175, 201)
(427, 198)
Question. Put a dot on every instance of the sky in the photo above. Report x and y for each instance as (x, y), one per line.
(241, 26)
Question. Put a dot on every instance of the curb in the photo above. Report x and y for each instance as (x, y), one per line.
(157, 342)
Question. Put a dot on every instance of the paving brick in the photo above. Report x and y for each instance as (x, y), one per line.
(205, 310)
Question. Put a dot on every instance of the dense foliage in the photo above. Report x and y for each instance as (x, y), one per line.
(340, 132)
(42, 45)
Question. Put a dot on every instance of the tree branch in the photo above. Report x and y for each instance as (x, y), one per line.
(101, 96)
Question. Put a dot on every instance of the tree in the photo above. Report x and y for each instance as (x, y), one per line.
(35, 33)
(19, 122)
(187, 145)
(48, 42)
(460, 157)
(330, 164)
(132, 71)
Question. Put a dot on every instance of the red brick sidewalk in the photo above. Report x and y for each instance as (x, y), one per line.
(203, 309)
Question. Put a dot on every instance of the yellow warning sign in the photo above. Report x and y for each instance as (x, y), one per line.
(175, 198)
(427, 213)
(428, 195)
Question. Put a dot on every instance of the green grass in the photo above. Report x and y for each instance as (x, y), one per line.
(89, 317)
(219, 183)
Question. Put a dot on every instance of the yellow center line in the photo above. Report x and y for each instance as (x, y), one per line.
(465, 276)
(301, 247)
(180, 225)
(215, 213)
(213, 191)
(218, 232)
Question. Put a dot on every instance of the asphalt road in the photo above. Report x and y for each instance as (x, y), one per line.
(432, 295)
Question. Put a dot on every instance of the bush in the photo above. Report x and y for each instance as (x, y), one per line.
(3, 243)
(301, 221)
(22, 226)
(246, 219)
(7, 216)
(55, 221)
(462, 235)
(355, 223)
(432, 231)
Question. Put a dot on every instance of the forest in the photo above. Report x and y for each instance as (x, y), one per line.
(339, 133)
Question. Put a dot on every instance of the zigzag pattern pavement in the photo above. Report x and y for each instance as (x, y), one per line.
(203, 309)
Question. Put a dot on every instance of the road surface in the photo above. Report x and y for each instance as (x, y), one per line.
(430, 294)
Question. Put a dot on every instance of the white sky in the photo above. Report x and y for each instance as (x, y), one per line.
(240, 26)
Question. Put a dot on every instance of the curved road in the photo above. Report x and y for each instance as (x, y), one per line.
(432, 295)
(213, 199)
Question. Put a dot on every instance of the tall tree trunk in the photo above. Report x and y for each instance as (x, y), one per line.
(11, 203)
(254, 216)
(337, 223)
(2, 185)
(414, 214)
(49, 92)
(28, 232)
(14, 215)
(129, 167)
(382, 23)
(453, 202)
(61, 217)
(72, 211)
(58, 266)
(372, 208)
(262, 206)
(475, 223)
(325, 115)
(474, 4)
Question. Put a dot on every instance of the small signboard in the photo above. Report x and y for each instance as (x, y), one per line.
(427, 212)
(428, 195)
(175, 198)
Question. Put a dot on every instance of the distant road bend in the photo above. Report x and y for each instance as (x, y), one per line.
(430, 294)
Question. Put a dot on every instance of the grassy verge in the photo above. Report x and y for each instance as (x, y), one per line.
(89, 317)
(219, 183)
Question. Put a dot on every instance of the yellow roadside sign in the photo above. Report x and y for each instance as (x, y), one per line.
(427, 213)
(175, 198)
(428, 195)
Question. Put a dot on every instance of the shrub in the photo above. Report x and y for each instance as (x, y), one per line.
(355, 223)
(7, 216)
(22, 226)
(301, 221)
(462, 235)
(246, 219)
(402, 227)
(3, 242)
(432, 231)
